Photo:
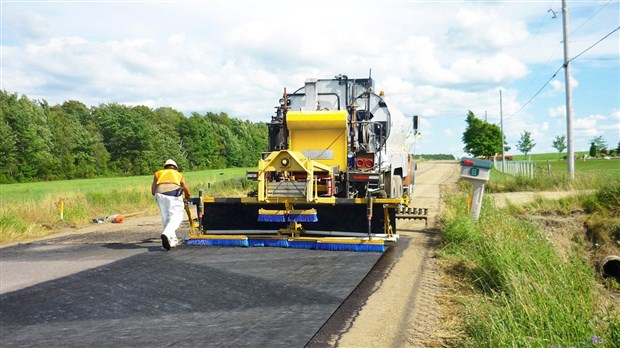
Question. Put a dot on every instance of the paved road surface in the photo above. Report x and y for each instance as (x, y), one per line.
(192, 296)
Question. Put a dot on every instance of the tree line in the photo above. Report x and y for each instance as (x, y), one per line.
(71, 140)
(484, 139)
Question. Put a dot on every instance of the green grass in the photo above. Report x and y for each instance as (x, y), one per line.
(546, 156)
(588, 174)
(36, 191)
(31, 210)
(523, 293)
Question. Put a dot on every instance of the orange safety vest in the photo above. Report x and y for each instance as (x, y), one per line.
(168, 176)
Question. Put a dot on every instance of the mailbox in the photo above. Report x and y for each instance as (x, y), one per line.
(476, 169)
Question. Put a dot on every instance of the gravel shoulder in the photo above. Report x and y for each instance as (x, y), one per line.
(403, 309)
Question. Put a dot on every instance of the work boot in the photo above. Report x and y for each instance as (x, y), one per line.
(165, 243)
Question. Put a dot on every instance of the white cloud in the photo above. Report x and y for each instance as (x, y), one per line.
(558, 111)
(30, 25)
(177, 39)
(415, 58)
(588, 122)
(588, 126)
(482, 28)
(559, 88)
(499, 68)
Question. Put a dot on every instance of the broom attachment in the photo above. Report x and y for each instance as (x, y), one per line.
(218, 240)
(294, 229)
(318, 243)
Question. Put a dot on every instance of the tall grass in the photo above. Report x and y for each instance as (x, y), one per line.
(32, 210)
(525, 295)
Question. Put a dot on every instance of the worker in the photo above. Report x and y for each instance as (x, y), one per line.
(168, 186)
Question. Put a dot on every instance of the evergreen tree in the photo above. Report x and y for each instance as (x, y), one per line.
(593, 150)
(597, 144)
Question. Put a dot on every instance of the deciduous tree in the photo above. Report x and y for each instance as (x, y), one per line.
(559, 143)
(526, 143)
(482, 138)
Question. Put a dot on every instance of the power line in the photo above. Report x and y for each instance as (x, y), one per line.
(594, 44)
(606, 58)
(560, 68)
(592, 16)
(527, 88)
(556, 48)
(527, 47)
(537, 93)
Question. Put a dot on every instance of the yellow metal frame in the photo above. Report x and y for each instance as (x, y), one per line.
(392, 202)
(285, 162)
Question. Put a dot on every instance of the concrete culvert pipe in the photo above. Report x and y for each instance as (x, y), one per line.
(610, 266)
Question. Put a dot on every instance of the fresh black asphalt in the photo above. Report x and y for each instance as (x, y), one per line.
(191, 296)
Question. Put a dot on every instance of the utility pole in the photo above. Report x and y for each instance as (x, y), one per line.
(501, 127)
(570, 156)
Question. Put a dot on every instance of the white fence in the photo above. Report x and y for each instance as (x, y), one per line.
(516, 168)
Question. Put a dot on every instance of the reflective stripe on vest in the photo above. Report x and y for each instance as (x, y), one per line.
(168, 176)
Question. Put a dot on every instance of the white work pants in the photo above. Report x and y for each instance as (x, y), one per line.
(171, 209)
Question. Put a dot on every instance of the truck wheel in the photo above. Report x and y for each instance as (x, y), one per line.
(408, 191)
(396, 188)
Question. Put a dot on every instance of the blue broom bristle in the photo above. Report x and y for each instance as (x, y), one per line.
(303, 218)
(302, 244)
(276, 243)
(268, 242)
(271, 218)
(350, 247)
(219, 242)
(256, 242)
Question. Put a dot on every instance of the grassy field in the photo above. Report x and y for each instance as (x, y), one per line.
(36, 191)
(31, 210)
(552, 174)
(546, 156)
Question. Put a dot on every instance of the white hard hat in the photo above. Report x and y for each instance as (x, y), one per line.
(171, 163)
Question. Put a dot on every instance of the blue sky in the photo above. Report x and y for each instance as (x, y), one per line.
(435, 59)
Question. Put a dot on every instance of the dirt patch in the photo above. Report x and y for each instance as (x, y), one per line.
(502, 200)
(560, 231)
(566, 232)
(133, 229)
(573, 233)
